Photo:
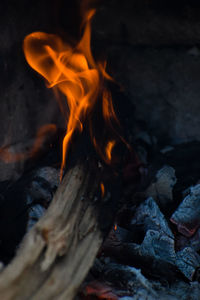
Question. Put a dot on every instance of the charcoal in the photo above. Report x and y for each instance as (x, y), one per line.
(97, 268)
(98, 290)
(193, 242)
(126, 277)
(187, 215)
(162, 189)
(40, 193)
(188, 261)
(131, 254)
(159, 246)
(123, 235)
(35, 213)
(144, 294)
(120, 275)
(178, 290)
(51, 175)
(149, 216)
(45, 181)
(195, 291)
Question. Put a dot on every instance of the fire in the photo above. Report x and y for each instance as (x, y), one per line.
(73, 72)
(102, 189)
(108, 150)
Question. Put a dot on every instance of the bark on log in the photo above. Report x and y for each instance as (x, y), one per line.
(57, 253)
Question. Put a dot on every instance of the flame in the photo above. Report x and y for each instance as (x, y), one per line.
(102, 189)
(115, 227)
(72, 72)
(109, 149)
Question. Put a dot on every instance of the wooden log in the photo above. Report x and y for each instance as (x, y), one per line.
(56, 255)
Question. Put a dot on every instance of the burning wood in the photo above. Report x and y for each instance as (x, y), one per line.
(59, 250)
(152, 250)
(61, 247)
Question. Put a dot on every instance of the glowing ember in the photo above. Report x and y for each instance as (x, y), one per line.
(73, 73)
(100, 291)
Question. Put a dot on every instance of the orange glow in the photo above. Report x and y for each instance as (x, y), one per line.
(109, 149)
(102, 189)
(100, 291)
(107, 107)
(72, 72)
(9, 157)
(115, 227)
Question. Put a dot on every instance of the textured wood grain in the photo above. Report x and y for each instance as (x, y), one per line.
(56, 254)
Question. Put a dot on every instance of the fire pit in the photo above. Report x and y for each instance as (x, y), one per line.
(102, 200)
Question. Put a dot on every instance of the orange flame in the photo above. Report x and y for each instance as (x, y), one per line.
(109, 149)
(102, 189)
(74, 73)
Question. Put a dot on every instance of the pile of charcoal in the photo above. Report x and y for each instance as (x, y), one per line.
(153, 249)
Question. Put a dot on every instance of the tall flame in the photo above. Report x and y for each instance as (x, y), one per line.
(73, 72)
